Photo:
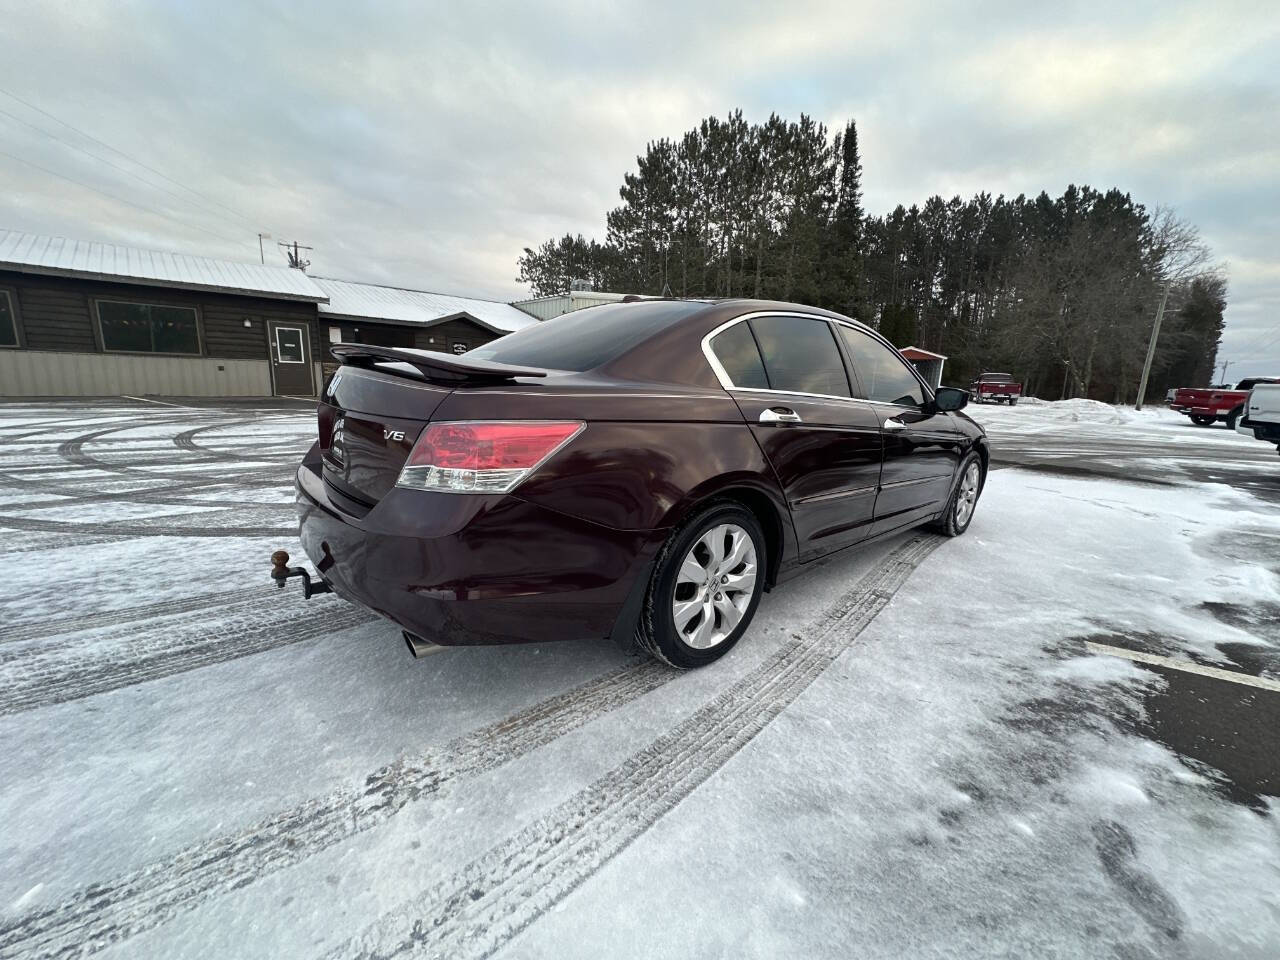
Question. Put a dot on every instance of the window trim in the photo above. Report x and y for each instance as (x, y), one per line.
(102, 342)
(302, 342)
(16, 312)
(727, 382)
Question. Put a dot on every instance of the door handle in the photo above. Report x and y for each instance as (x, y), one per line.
(779, 415)
(894, 425)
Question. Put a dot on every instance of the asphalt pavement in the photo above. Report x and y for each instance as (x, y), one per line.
(1226, 728)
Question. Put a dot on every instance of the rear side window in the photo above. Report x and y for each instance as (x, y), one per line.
(737, 352)
(800, 355)
(885, 376)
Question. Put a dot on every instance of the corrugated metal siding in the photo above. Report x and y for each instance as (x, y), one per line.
(27, 252)
(37, 373)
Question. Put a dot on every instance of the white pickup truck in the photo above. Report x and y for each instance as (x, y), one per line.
(1261, 418)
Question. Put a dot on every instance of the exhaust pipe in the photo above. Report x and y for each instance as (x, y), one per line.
(420, 648)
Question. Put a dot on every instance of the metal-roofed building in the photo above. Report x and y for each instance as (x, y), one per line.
(927, 362)
(546, 308)
(402, 317)
(80, 318)
(87, 259)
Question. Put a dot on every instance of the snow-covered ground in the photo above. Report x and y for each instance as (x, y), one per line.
(923, 748)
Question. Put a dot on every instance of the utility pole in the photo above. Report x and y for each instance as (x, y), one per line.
(1151, 347)
(1225, 364)
(291, 250)
(261, 255)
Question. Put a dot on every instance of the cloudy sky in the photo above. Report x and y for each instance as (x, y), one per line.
(426, 144)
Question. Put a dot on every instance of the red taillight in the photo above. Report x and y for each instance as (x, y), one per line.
(482, 456)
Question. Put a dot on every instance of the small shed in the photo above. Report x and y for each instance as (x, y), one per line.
(929, 364)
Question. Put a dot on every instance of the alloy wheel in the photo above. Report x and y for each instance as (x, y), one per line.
(714, 586)
(968, 494)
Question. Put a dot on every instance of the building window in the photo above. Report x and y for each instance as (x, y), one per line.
(147, 328)
(8, 319)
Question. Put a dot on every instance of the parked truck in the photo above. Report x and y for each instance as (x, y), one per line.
(997, 387)
(1261, 418)
(1209, 405)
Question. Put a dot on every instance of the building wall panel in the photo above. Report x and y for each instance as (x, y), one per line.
(48, 373)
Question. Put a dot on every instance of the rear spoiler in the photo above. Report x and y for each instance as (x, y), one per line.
(437, 367)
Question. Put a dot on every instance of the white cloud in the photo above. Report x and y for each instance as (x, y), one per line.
(427, 146)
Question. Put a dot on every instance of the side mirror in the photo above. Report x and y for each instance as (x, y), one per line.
(949, 398)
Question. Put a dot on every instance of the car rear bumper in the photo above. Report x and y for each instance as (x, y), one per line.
(1270, 432)
(459, 569)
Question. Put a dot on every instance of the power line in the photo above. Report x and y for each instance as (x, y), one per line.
(128, 203)
(101, 143)
(115, 166)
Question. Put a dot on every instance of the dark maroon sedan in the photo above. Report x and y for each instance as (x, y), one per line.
(641, 471)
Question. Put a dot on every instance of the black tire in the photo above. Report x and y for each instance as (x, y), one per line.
(656, 632)
(1013, 402)
(948, 524)
(1233, 418)
(1201, 421)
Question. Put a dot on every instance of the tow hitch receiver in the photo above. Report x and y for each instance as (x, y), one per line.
(281, 571)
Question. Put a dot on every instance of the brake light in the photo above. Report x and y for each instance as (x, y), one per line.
(482, 456)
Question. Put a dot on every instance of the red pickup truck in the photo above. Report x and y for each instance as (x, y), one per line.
(999, 387)
(1212, 404)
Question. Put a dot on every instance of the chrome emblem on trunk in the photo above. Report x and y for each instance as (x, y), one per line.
(335, 442)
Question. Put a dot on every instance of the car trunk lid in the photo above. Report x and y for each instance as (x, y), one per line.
(377, 404)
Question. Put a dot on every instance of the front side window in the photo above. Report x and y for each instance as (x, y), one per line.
(147, 328)
(885, 376)
(800, 355)
(8, 321)
(737, 352)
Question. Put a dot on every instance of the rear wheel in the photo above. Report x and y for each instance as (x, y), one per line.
(964, 500)
(1202, 421)
(705, 587)
(1013, 401)
(1233, 418)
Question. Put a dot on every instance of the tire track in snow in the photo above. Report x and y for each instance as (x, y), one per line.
(139, 528)
(107, 913)
(82, 666)
(49, 541)
(187, 441)
(108, 618)
(169, 493)
(72, 451)
(492, 899)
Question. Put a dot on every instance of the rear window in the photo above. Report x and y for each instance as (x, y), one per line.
(582, 340)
